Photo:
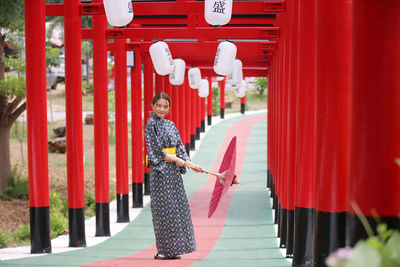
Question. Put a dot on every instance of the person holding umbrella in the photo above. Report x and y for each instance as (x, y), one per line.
(167, 160)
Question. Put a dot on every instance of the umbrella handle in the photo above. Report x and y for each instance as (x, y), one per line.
(218, 175)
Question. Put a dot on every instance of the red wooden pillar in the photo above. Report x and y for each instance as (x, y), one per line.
(222, 98)
(193, 122)
(121, 131)
(181, 113)
(283, 176)
(374, 181)
(100, 110)
(333, 42)
(137, 131)
(168, 91)
(198, 114)
(174, 105)
(148, 98)
(36, 108)
(243, 104)
(203, 113)
(159, 84)
(302, 250)
(209, 105)
(73, 102)
(292, 117)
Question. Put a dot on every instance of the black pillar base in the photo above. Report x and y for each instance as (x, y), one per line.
(192, 141)
(40, 230)
(102, 219)
(209, 119)
(277, 215)
(242, 108)
(76, 222)
(329, 234)
(203, 127)
(198, 133)
(268, 178)
(146, 178)
(187, 146)
(273, 196)
(222, 113)
(282, 226)
(289, 233)
(276, 203)
(355, 231)
(122, 208)
(302, 245)
(137, 195)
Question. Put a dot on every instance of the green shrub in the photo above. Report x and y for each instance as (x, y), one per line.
(215, 101)
(55, 201)
(23, 233)
(90, 205)
(4, 239)
(58, 223)
(18, 188)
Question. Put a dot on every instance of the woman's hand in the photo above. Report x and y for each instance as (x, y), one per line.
(194, 167)
(180, 162)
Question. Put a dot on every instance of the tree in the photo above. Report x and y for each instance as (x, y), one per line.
(261, 84)
(12, 86)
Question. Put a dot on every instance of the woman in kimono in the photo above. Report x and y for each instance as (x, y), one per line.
(167, 160)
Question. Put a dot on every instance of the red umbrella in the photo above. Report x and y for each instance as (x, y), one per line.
(227, 170)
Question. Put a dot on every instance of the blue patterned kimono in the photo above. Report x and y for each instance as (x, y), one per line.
(172, 221)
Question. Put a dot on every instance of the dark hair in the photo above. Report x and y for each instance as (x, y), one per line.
(161, 95)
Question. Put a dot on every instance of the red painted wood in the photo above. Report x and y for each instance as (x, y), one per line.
(121, 119)
(305, 106)
(100, 110)
(137, 123)
(374, 181)
(35, 49)
(333, 20)
(73, 104)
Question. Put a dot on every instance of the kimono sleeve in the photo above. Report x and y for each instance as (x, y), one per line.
(180, 148)
(154, 149)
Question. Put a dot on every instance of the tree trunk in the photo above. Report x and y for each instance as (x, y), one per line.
(2, 38)
(5, 167)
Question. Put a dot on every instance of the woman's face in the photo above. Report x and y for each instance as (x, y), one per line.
(161, 108)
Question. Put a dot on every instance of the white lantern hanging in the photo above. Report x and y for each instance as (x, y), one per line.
(162, 58)
(218, 12)
(204, 88)
(224, 58)
(194, 76)
(240, 91)
(118, 12)
(177, 76)
(237, 73)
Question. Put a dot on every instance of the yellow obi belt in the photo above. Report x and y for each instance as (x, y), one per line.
(168, 150)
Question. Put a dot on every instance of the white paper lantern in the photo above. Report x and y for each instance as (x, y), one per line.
(162, 58)
(194, 76)
(224, 58)
(118, 12)
(240, 91)
(237, 73)
(203, 89)
(177, 76)
(218, 12)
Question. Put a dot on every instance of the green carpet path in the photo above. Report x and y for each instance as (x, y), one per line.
(248, 239)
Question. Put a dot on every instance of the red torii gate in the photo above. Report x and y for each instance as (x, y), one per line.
(308, 170)
(72, 10)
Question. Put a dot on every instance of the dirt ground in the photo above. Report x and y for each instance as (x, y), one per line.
(16, 212)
